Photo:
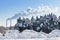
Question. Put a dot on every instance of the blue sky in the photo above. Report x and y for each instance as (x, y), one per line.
(10, 7)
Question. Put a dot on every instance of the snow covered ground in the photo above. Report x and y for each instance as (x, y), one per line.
(30, 34)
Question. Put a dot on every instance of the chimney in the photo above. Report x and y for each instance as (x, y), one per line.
(6, 23)
(10, 23)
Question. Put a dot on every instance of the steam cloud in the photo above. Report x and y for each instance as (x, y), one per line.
(41, 10)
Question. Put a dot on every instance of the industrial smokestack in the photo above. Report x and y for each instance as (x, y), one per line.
(6, 23)
(10, 23)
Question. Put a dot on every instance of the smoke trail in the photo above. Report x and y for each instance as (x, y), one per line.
(41, 10)
(17, 15)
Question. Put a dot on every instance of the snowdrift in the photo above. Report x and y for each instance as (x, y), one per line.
(15, 34)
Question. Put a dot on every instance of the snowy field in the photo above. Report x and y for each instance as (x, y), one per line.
(30, 34)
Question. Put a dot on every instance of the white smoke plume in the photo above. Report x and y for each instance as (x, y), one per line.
(21, 14)
(41, 10)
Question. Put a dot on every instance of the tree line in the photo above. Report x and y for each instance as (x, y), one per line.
(45, 23)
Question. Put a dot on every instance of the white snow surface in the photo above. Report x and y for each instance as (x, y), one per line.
(15, 34)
